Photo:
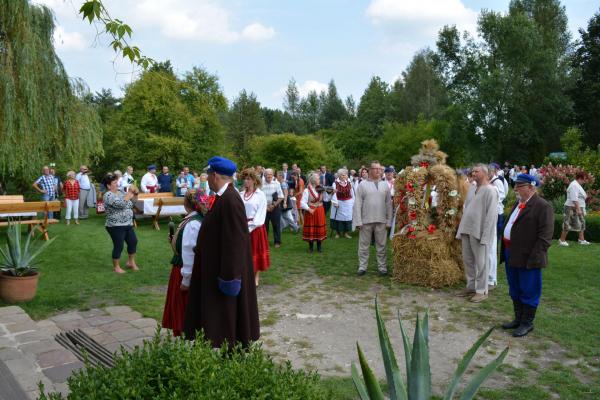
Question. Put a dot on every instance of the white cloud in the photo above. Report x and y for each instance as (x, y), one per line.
(195, 20)
(69, 40)
(309, 86)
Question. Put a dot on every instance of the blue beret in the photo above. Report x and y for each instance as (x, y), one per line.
(222, 166)
(389, 169)
(152, 166)
(527, 179)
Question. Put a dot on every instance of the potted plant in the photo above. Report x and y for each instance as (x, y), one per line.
(18, 265)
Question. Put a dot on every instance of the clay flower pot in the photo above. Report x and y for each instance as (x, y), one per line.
(15, 289)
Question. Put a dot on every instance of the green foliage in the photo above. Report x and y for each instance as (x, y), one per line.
(592, 227)
(43, 114)
(167, 368)
(373, 108)
(307, 151)
(418, 382)
(168, 121)
(332, 108)
(581, 156)
(244, 121)
(17, 258)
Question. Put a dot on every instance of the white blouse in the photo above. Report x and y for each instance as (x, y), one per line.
(188, 242)
(256, 208)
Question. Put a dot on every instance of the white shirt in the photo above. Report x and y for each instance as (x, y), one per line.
(126, 181)
(222, 190)
(84, 181)
(149, 179)
(270, 188)
(511, 220)
(188, 242)
(575, 193)
(499, 185)
(256, 208)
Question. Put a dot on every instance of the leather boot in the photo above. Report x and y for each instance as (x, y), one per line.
(526, 325)
(518, 307)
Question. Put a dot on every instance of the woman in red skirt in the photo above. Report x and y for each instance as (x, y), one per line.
(314, 229)
(255, 203)
(183, 243)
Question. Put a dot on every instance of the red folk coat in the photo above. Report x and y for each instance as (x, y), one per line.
(223, 251)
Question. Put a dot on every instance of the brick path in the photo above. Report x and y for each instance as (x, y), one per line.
(29, 350)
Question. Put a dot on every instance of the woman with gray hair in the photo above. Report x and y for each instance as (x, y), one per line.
(314, 229)
(343, 202)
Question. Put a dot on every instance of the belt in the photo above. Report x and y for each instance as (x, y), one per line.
(506, 243)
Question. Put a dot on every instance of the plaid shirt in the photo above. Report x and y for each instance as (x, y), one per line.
(71, 190)
(46, 182)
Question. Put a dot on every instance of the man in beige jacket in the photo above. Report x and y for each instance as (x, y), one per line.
(477, 230)
(371, 215)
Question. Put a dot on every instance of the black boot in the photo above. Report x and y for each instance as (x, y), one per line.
(526, 325)
(518, 307)
(310, 246)
(319, 246)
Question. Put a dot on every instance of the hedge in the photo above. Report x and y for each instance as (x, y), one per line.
(592, 228)
(167, 368)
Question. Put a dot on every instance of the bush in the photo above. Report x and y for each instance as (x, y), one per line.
(167, 368)
(592, 227)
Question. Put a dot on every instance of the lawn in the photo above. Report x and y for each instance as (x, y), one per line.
(76, 274)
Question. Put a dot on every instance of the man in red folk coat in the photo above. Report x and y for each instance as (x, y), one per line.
(222, 298)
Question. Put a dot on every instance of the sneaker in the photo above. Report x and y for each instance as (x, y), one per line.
(585, 242)
(466, 293)
(383, 273)
(337, 236)
(478, 298)
(361, 272)
(347, 236)
(561, 243)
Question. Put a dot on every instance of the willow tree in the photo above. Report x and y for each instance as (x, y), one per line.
(43, 117)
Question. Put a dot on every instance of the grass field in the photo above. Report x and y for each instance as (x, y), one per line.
(76, 274)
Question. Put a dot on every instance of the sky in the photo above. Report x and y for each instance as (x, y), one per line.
(260, 45)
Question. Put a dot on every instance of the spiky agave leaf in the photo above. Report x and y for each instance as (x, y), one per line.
(372, 385)
(358, 384)
(473, 386)
(419, 386)
(392, 372)
(407, 348)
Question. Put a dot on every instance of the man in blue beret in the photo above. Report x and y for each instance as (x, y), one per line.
(527, 235)
(222, 293)
(149, 182)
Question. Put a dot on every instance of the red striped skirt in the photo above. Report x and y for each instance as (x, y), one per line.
(175, 303)
(314, 225)
(260, 249)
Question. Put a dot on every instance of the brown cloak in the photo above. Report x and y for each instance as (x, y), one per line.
(223, 251)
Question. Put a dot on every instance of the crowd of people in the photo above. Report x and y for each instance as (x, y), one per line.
(354, 200)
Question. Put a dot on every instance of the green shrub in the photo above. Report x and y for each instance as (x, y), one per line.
(592, 228)
(167, 368)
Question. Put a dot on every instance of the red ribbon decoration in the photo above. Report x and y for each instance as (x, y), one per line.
(431, 228)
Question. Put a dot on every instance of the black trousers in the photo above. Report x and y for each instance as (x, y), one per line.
(120, 234)
(275, 218)
(326, 206)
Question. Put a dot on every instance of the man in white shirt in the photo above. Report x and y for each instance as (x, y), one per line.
(272, 190)
(84, 190)
(574, 214)
(149, 182)
(498, 182)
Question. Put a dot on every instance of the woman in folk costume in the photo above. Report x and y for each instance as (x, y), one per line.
(314, 229)
(255, 204)
(343, 202)
(183, 243)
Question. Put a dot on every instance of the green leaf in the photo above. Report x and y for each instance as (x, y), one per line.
(373, 387)
(392, 372)
(358, 384)
(464, 364)
(426, 327)
(407, 350)
(419, 385)
(473, 386)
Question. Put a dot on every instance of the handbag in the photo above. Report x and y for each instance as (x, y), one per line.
(100, 209)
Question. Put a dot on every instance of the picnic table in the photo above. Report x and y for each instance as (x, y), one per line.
(158, 205)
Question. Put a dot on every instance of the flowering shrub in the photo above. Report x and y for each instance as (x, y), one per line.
(556, 179)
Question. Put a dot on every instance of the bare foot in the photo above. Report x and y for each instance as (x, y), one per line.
(132, 267)
(119, 270)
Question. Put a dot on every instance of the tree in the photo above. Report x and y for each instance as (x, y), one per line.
(106, 104)
(586, 91)
(310, 110)
(350, 105)
(372, 109)
(45, 116)
(244, 122)
(332, 107)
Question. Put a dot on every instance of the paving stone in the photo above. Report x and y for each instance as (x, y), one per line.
(72, 325)
(135, 342)
(35, 394)
(144, 323)
(70, 316)
(6, 342)
(114, 326)
(61, 373)
(104, 338)
(11, 310)
(63, 388)
(21, 327)
(128, 334)
(150, 330)
(114, 347)
(32, 337)
(14, 318)
(48, 326)
(31, 382)
(40, 347)
(91, 331)
(53, 358)
(100, 320)
(10, 353)
(94, 312)
(118, 309)
(128, 316)
(24, 371)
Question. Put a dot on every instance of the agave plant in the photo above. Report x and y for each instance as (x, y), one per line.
(418, 372)
(18, 258)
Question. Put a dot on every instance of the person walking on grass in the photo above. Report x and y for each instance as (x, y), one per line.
(372, 215)
(477, 231)
(574, 211)
(72, 198)
(119, 222)
(527, 235)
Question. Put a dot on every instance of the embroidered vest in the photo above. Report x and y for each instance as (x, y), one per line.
(343, 192)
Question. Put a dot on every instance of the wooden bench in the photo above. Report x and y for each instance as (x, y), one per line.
(30, 207)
